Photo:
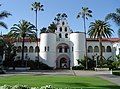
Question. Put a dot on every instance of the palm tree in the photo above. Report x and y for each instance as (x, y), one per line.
(84, 14)
(22, 30)
(114, 16)
(100, 29)
(36, 6)
(3, 14)
(60, 16)
(52, 27)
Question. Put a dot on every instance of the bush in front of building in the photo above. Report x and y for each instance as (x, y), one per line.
(116, 73)
(80, 67)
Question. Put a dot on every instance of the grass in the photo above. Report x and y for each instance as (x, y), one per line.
(59, 81)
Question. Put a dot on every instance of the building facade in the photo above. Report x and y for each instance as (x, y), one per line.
(63, 48)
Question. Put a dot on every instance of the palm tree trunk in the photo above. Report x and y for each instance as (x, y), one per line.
(100, 51)
(37, 36)
(85, 42)
(23, 50)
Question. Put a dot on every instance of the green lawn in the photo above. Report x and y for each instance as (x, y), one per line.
(58, 81)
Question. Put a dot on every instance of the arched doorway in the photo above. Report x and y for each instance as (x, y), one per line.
(63, 62)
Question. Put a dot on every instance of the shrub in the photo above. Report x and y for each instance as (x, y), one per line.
(80, 67)
(116, 73)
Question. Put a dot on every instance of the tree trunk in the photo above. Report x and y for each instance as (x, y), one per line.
(37, 37)
(100, 52)
(23, 50)
(85, 56)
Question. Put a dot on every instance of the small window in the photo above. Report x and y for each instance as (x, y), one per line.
(60, 29)
(65, 29)
(96, 49)
(37, 49)
(19, 49)
(72, 49)
(90, 49)
(63, 23)
(108, 49)
(65, 49)
(45, 48)
(25, 49)
(60, 50)
(60, 36)
(31, 49)
(48, 48)
(66, 35)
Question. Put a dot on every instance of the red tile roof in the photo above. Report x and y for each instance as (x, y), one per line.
(105, 39)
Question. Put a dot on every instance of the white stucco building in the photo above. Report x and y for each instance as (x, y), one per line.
(63, 48)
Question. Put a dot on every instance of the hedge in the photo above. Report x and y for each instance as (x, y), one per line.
(116, 73)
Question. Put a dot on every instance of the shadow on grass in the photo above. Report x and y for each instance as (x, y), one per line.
(86, 86)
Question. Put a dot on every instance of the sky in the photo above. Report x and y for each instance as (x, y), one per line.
(21, 10)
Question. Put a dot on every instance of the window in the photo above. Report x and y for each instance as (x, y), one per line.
(66, 35)
(90, 49)
(19, 49)
(60, 29)
(108, 49)
(72, 49)
(37, 49)
(60, 50)
(60, 36)
(65, 49)
(103, 49)
(45, 48)
(31, 49)
(65, 29)
(48, 48)
(63, 23)
(25, 49)
(96, 49)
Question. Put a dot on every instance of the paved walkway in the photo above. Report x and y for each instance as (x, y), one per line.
(102, 74)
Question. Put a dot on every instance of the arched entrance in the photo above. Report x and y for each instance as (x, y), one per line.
(63, 62)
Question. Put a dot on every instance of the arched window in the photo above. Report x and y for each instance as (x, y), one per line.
(96, 49)
(60, 36)
(19, 49)
(37, 49)
(63, 23)
(66, 35)
(103, 49)
(90, 49)
(72, 49)
(60, 29)
(65, 29)
(31, 49)
(25, 49)
(60, 49)
(108, 49)
(66, 49)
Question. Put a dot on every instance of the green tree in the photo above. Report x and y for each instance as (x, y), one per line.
(36, 6)
(3, 14)
(52, 27)
(115, 17)
(22, 30)
(100, 29)
(60, 16)
(85, 13)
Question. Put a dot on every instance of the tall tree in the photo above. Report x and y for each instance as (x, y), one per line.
(22, 30)
(115, 17)
(85, 13)
(60, 16)
(36, 6)
(100, 29)
(3, 14)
